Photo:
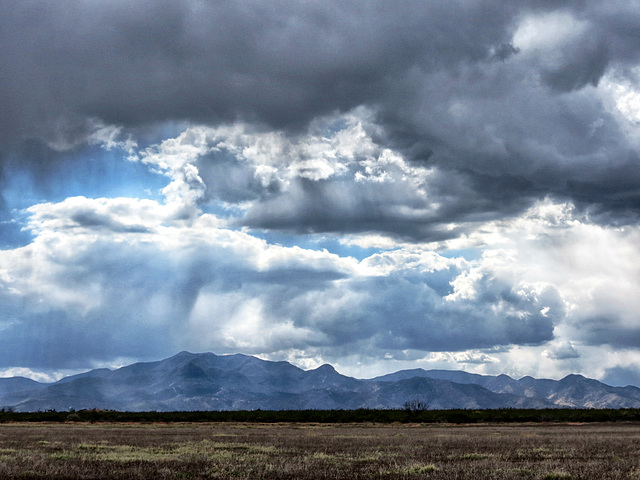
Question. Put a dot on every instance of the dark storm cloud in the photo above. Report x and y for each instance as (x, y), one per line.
(410, 311)
(613, 36)
(449, 85)
(278, 62)
(229, 180)
(341, 205)
(609, 329)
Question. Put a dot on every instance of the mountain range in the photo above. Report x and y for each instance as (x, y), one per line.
(206, 381)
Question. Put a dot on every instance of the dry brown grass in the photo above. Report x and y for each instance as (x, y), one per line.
(311, 451)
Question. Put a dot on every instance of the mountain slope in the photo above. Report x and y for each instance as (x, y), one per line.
(16, 384)
(573, 391)
(206, 381)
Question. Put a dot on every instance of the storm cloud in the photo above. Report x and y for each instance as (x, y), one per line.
(437, 77)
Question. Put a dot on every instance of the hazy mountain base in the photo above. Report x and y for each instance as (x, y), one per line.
(201, 382)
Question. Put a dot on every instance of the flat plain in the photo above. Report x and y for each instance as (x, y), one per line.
(319, 451)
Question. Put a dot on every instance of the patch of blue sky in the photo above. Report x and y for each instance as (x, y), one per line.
(315, 242)
(91, 173)
(335, 126)
(12, 234)
(466, 253)
(111, 174)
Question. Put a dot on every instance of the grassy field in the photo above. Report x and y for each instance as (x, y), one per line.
(319, 451)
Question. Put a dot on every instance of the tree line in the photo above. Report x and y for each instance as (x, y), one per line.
(405, 415)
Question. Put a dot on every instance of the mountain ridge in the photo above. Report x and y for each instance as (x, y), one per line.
(206, 381)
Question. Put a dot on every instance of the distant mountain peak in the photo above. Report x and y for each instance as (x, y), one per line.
(205, 381)
(324, 368)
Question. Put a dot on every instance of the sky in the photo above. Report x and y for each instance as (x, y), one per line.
(372, 184)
